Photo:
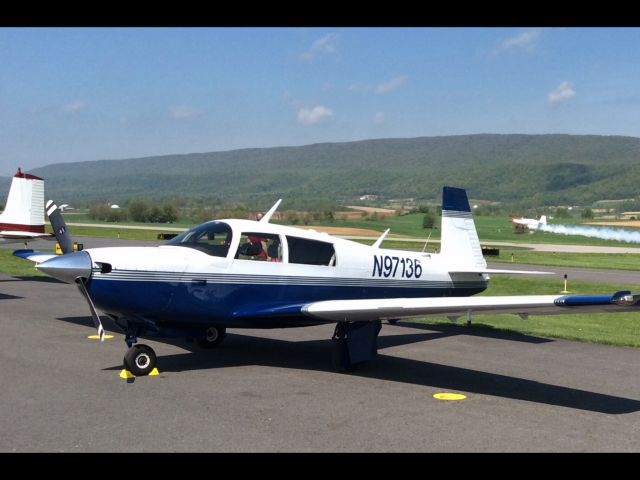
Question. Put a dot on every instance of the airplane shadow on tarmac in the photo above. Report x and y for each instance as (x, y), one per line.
(4, 296)
(30, 279)
(240, 350)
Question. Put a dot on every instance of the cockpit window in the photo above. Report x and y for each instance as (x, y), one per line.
(212, 238)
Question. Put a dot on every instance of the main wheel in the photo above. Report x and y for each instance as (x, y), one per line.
(140, 360)
(213, 336)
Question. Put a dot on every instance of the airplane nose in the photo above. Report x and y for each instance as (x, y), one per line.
(68, 267)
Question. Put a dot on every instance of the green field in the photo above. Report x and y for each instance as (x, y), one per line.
(611, 261)
(490, 229)
(16, 267)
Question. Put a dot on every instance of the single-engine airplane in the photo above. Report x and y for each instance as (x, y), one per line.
(254, 274)
(23, 216)
(522, 224)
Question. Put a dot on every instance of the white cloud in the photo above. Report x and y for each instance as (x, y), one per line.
(379, 118)
(181, 112)
(74, 106)
(323, 46)
(315, 115)
(381, 88)
(525, 41)
(561, 93)
(390, 85)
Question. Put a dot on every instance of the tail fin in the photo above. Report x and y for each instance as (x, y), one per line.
(24, 210)
(543, 220)
(460, 245)
(59, 227)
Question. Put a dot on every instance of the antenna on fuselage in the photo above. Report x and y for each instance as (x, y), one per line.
(272, 210)
(426, 243)
(379, 240)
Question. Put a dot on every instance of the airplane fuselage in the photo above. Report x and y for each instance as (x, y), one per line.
(191, 284)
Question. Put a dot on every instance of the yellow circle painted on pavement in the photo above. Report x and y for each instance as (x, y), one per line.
(449, 396)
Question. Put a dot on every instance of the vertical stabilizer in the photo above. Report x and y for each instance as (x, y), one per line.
(24, 210)
(460, 246)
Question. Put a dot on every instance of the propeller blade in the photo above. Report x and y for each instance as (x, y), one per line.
(94, 313)
(59, 227)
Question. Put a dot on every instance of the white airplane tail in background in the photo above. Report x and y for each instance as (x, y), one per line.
(460, 246)
(24, 210)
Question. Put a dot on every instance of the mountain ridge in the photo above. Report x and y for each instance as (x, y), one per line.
(543, 169)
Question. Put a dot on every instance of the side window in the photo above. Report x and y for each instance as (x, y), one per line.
(264, 247)
(311, 252)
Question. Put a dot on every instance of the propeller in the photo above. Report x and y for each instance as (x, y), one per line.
(70, 266)
(59, 227)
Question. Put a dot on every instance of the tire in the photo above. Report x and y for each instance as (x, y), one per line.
(393, 321)
(213, 336)
(140, 360)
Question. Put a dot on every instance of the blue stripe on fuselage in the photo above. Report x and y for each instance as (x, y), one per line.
(233, 305)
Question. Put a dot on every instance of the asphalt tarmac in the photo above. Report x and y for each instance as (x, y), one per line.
(275, 390)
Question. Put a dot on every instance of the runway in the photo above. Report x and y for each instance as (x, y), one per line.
(274, 390)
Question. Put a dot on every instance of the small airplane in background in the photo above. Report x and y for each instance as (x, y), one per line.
(522, 224)
(254, 274)
(23, 216)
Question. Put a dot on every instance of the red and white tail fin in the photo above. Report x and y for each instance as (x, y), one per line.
(24, 210)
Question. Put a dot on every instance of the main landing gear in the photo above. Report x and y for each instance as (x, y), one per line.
(356, 342)
(213, 336)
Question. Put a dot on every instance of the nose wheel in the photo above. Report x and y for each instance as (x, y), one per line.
(140, 360)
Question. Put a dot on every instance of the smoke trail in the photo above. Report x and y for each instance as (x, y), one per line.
(593, 232)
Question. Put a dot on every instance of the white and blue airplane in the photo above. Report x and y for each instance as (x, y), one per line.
(255, 274)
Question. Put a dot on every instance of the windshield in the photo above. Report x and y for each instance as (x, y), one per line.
(212, 238)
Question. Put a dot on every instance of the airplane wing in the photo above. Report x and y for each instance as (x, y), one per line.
(395, 308)
(37, 257)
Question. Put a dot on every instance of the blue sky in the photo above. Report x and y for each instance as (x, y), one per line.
(75, 94)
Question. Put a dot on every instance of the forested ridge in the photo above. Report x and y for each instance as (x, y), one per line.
(543, 169)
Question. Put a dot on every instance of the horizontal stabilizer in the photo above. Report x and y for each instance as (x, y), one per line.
(20, 234)
(498, 271)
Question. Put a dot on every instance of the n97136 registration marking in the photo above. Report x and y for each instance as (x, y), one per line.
(396, 267)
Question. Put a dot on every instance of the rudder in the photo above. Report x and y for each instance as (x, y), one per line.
(24, 210)
(460, 244)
